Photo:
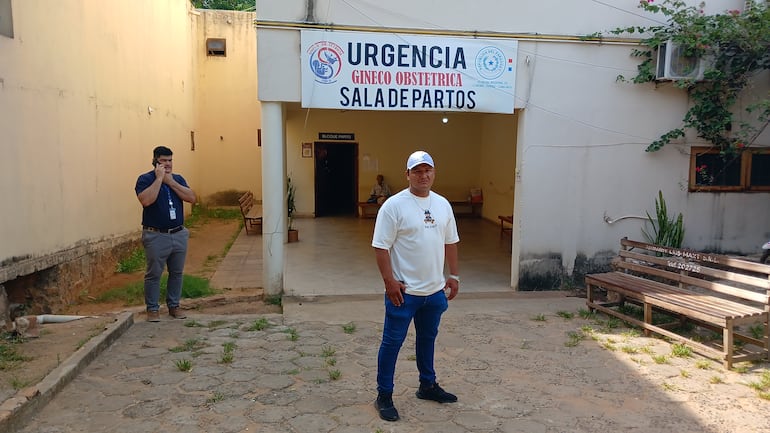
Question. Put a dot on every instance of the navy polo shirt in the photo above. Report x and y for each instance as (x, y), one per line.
(158, 214)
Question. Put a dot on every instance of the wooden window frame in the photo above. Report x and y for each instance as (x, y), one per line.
(744, 167)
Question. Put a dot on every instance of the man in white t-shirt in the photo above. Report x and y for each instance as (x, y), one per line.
(414, 236)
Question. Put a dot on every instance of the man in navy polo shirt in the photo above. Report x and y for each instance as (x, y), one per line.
(164, 236)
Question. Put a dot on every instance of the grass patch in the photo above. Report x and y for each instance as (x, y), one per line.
(10, 358)
(134, 262)
(565, 314)
(349, 328)
(259, 325)
(539, 318)
(201, 213)
(217, 397)
(189, 346)
(18, 384)
(681, 350)
(293, 335)
(762, 386)
(184, 365)
(133, 293)
(334, 374)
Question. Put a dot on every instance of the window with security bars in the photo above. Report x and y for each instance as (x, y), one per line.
(712, 170)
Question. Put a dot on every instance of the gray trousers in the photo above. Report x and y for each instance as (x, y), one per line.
(164, 250)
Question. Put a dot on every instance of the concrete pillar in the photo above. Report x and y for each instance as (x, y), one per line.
(274, 212)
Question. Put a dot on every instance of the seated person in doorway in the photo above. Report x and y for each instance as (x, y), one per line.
(380, 191)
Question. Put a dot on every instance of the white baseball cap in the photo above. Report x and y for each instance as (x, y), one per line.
(417, 158)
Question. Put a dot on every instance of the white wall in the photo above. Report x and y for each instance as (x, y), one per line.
(581, 134)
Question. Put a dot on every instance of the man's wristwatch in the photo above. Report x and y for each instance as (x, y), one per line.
(455, 277)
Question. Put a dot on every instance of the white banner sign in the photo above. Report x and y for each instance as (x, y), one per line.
(373, 71)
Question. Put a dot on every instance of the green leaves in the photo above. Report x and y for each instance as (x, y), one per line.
(665, 231)
(735, 44)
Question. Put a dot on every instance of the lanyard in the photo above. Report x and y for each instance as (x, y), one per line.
(168, 193)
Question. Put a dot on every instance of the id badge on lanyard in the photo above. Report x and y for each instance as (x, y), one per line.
(171, 210)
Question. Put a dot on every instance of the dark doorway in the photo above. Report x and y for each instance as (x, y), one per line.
(336, 178)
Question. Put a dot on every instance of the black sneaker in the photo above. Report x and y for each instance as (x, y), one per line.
(435, 393)
(384, 405)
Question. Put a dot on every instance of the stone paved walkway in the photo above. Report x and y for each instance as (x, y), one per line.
(313, 369)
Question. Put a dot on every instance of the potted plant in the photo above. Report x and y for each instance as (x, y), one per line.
(291, 207)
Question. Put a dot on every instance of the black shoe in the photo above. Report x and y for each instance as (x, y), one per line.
(384, 405)
(435, 393)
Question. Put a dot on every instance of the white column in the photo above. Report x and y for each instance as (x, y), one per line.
(273, 197)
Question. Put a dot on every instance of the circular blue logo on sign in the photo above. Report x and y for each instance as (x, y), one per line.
(490, 63)
(325, 61)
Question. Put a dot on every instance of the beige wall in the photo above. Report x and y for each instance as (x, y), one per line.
(87, 90)
(227, 110)
(76, 82)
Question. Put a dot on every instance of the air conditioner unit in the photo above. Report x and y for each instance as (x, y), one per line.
(673, 64)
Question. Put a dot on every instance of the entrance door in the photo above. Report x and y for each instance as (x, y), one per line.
(336, 178)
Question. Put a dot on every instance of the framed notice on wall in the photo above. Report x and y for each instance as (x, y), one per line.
(307, 150)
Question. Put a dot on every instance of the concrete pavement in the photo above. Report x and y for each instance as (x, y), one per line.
(519, 362)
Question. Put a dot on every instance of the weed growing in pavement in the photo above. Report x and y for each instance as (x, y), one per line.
(217, 397)
(681, 350)
(741, 368)
(216, 324)
(762, 386)
(328, 351)
(193, 324)
(227, 358)
(228, 353)
(259, 325)
(189, 346)
(574, 338)
(184, 365)
(703, 364)
(293, 335)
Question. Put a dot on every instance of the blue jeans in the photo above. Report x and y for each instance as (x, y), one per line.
(426, 312)
(164, 250)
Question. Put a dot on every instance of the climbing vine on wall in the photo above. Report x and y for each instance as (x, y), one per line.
(735, 46)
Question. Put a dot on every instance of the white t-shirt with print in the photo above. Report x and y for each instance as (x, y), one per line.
(415, 231)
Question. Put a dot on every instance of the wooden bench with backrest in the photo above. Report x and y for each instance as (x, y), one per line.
(252, 213)
(716, 292)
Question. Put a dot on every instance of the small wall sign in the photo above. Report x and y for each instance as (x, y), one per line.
(336, 136)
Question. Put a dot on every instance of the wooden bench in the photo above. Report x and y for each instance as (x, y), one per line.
(716, 292)
(252, 213)
(368, 210)
(505, 229)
